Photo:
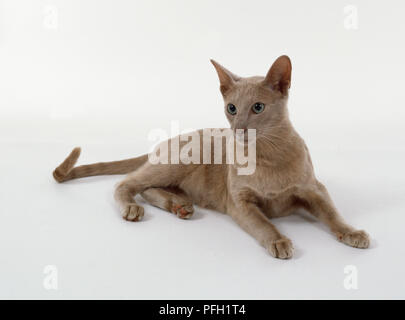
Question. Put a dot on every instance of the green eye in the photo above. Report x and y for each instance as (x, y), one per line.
(231, 109)
(258, 107)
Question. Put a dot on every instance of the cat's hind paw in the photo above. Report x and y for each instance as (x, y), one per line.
(183, 211)
(132, 212)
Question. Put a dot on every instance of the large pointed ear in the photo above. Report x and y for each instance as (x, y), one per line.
(279, 75)
(226, 78)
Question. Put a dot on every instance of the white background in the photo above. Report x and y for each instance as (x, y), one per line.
(102, 74)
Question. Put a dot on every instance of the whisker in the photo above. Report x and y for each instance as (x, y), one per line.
(268, 142)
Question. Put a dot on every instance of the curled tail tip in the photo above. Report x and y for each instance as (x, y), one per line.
(58, 176)
(75, 154)
(61, 172)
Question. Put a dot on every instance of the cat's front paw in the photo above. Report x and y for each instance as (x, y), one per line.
(357, 239)
(282, 248)
(132, 212)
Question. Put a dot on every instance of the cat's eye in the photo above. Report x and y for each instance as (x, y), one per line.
(231, 109)
(258, 107)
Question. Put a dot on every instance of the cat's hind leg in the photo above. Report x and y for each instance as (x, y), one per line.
(146, 177)
(173, 200)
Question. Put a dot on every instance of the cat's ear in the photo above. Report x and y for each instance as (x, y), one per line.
(279, 75)
(226, 78)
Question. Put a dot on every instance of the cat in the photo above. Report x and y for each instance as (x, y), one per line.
(282, 182)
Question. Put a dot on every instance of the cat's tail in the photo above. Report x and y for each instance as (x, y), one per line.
(66, 170)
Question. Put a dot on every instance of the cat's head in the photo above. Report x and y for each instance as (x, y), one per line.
(256, 102)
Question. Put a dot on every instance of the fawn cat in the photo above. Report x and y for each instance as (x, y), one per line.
(282, 182)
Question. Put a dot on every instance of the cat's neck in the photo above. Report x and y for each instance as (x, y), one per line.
(276, 141)
(282, 129)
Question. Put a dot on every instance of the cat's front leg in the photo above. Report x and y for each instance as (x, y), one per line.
(250, 218)
(318, 202)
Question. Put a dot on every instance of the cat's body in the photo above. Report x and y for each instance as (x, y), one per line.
(283, 180)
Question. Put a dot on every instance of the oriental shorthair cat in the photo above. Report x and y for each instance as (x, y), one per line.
(282, 182)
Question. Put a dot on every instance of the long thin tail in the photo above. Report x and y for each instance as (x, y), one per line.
(66, 170)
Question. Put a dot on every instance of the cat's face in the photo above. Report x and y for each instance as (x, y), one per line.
(256, 102)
